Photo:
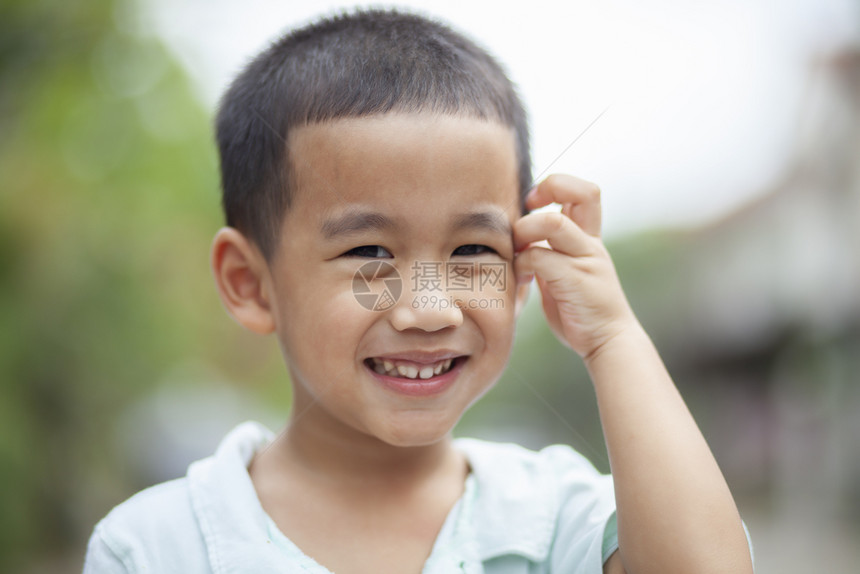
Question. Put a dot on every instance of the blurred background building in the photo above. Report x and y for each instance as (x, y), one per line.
(118, 366)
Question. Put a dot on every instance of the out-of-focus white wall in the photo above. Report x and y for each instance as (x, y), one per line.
(703, 97)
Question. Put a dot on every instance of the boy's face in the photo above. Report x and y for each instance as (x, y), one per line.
(435, 197)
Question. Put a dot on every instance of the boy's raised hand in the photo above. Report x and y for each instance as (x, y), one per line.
(582, 297)
(675, 512)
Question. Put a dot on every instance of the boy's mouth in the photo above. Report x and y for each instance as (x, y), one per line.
(409, 369)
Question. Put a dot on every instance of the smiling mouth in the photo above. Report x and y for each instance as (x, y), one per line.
(409, 370)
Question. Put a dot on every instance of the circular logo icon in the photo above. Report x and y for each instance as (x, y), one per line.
(377, 285)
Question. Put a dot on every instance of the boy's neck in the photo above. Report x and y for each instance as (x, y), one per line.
(352, 459)
(383, 505)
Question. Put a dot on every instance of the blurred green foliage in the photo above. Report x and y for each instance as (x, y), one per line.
(109, 198)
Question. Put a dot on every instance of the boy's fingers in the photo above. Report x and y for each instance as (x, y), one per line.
(558, 230)
(580, 200)
(547, 265)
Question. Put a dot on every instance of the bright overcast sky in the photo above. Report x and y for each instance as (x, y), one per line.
(703, 97)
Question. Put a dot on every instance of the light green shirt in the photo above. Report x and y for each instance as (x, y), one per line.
(522, 512)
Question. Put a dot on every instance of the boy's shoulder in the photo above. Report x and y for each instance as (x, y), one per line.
(509, 463)
(186, 524)
(527, 500)
(154, 525)
(167, 499)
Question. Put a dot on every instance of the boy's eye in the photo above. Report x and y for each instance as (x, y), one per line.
(369, 251)
(473, 249)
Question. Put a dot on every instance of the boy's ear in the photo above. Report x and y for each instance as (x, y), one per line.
(520, 297)
(242, 279)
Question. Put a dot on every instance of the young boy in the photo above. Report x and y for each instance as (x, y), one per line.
(376, 172)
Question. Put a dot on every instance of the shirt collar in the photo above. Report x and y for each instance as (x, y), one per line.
(515, 507)
(513, 510)
(228, 510)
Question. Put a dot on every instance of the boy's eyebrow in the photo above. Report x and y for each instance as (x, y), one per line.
(488, 220)
(354, 221)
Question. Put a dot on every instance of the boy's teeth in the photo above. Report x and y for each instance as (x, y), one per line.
(387, 367)
(407, 371)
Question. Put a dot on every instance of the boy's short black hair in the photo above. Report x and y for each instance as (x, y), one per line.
(357, 64)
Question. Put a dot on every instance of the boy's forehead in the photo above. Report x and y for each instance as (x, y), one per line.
(423, 161)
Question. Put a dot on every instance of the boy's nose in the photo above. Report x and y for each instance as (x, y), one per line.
(426, 311)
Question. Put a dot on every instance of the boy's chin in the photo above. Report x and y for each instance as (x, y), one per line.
(414, 436)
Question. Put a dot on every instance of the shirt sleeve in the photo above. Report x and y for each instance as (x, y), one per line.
(586, 532)
(610, 538)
